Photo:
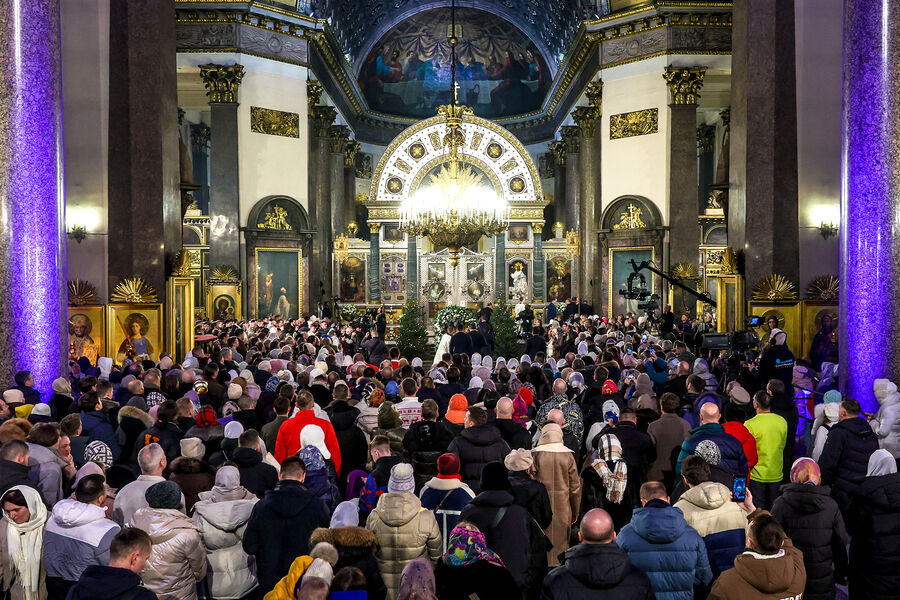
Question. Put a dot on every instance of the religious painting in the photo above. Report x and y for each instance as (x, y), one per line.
(812, 324)
(134, 331)
(619, 270)
(559, 278)
(87, 333)
(223, 301)
(517, 234)
(393, 283)
(278, 282)
(518, 279)
(353, 280)
(499, 72)
(437, 271)
(180, 316)
(391, 234)
(475, 271)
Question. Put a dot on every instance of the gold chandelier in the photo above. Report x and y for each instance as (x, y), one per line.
(456, 209)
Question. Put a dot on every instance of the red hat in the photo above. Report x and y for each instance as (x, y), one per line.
(448, 464)
(526, 395)
(456, 413)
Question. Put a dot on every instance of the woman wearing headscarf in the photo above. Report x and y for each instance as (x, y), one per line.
(606, 482)
(469, 568)
(555, 467)
(21, 544)
(417, 581)
(873, 522)
(474, 389)
(221, 515)
(61, 400)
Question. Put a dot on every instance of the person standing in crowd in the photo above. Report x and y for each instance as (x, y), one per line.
(528, 492)
(287, 442)
(152, 462)
(377, 481)
(555, 467)
(667, 433)
(478, 444)
(282, 407)
(46, 466)
(770, 432)
(446, 495)
(14, 467)
(257, 475)
(163, 432)
(845, 457)
(192, 474)
(128, 554)
(777, 361)
(711, 435)
(22, 575)
(783, 406)
(513, 433)
(470, 568)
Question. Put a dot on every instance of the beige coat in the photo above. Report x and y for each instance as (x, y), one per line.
(405, 531)
(555, 467)
(9, 579)
(178, 559)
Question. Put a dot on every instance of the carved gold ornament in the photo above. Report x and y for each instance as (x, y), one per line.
(223, 273)
(630, 219)
(774, 287)
(395, 185)
(684, 271)
(729, 262)
(630, 124)
(416, 151)
(572, 243)
(314, 91)
(352, 229)
(82, 292)
(133, 290)
(517, 185)
(275, 219)
(181, 265)
(341, 248)
(494, 150)
(684, 83)
(274, 122)
(222, 81)
(824, 288)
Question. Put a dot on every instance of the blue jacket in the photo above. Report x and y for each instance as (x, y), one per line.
(672, 554)
(452, 495)
(658, 370)
(731, 453)
(96, 426)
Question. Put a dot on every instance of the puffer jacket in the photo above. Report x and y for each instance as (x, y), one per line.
(77, 536)
(597, 572)
(46, 472)
(719, 521)
(447, 498)
(177, 560)
(672, 554)
(222, 525)
(810, 517)
(477, 446)
(886, 423)
(873, 521)
(758, 577)
(390, 425)
(845, 458)
(405, 531)
(356, 548)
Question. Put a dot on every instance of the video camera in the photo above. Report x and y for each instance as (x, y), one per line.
(647, 301)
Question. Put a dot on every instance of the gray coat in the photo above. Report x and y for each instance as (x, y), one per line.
(46, 472)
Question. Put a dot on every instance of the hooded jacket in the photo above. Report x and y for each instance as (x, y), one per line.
(810, 517)
(100, 582)
(404, 531)
(78, 535)
(356, 548)
(287, 442)
(177, 559)
(886, 423)
(279, 528)
(390, 425)
(719, 521)
(222, 526)
(476, 446)
(731, 452)
(758, 577)
(672, 554)
(598, 572)
(845, 458)
(376, 484)
(97, 426)
(874, 525)
(701, 370)
(167, 435)
(351, 440)
(256, 475)
(132, 421)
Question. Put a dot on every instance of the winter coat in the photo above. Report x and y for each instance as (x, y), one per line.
(130, 498)
(97, 426)
(257, 476)
(356, 547)
(555, 467)
(731, 452)
(132, 422)
(737, 430)
(287, 442)
(100, 582)
(269, 432)
(638, 452)
(423, 444)
(279, 529)
(376, 484)
(77, 535)
(532, 496)
(222, 525)
(405, 531)
(352, 442)
(480, 579)
(672, 554)
(810, 517)
(719, 521)
(193, 476)
(177, 559)
(593, 495)
(757, 577)
(667, 433)
(514, 434)
(845, 459)
(446, 498)
(167, 435)
(13, 474)
(873, 521)
(60, 405)
(886, 423)
(597, 572)
(10, 584)
(46, 472)
(476, 446)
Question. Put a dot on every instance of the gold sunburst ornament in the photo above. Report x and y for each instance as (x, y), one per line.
(223, 273)
(824, 288)
(134, 290)
(181, 265)
(684, 270)
(729, 262)
(82, 293)
(774, 287)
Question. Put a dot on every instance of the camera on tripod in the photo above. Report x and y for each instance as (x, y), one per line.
(735, 341)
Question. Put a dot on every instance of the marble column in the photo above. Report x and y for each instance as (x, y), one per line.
(558, 150)
(587, 118)
(500, 266)
(537, 277)
(200, 134)
(684, 233)
(321, 119)
(339, 135)
(762, 197)
(223, 82)
(412, 269)
(870, 200)
(571, 137)
(374, 264)
(32, 240)
(350, 152)
(706, 168)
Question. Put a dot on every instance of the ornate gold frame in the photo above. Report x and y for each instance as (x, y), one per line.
(112, 324)
(98, 327)
(810, 311)
(180, 300)
(255, 285)
(215, 289)
(609, 282)
(793, 315)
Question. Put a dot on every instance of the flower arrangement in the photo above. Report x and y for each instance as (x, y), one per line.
(453, 315)
(348, 312)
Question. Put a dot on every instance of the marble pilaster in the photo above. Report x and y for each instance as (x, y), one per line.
(500, 266)
(588, 119)
(558, 150)
(537, 278)
(374, 264)
(321, 119)
(571, 137)
(200, 136)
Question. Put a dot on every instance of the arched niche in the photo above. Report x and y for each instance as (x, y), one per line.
(277, 236)
(630, 228)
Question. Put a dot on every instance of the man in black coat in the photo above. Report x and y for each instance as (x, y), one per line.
(376, 350)
(128, 553)
(535, 343)
(257, 476)
(528, 492)
(164, 432)
(479, 343)
(280, 525)
(460, 343)
(845, 458)
(777, 362)
(478, 444)
(486, 329)
(596, 568)
(514, 434)
(14, 467)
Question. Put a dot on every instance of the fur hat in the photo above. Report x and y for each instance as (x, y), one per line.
(192, 447)
(402, 480)
(14, 397)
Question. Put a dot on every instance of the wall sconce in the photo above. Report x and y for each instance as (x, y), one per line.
(78, 233)
(827, 230)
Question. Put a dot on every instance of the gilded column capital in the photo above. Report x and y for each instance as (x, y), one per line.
(222, 82)
(200, 134)
(558, 149)
(706, 137)
(338, 136)
(374, 227)
(314, 91)
(684, 83)
(571, 137)
(594, 93)
(586, 119)
(351, 148)
(322, 117)
(538, 227)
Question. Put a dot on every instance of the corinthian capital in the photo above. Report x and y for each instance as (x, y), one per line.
(314, 92)
(222, 82)
(321, 118)
(594, 93)
(684, 83)
(338, 134)
(586, 119)
(571, 137)
(558, 149)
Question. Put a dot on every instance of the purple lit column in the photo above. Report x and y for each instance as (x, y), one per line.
(32, 217)
(870, 198)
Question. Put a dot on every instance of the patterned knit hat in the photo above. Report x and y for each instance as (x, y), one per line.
(99, 453)
(401, 480)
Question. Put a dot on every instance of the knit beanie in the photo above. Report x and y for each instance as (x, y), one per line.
(98, 452)
(192, 447)
(401, 480)
(448, 464)
(165, 494)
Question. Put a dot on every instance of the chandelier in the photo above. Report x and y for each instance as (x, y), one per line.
(456, 209)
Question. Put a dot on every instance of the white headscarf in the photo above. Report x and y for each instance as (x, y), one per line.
(881, 462)
(228, 487)
(476, 383)
(488, 362)
(476, 360)
(26, 541)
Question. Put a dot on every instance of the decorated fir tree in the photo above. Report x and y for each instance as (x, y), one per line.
(412, 337)
(506, 343)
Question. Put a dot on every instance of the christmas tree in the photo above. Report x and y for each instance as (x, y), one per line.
(506, 342)
(412, 338)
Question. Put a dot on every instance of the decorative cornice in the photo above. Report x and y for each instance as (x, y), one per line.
(586, 118)
(684, 84)
(222, 82)
(630, 124)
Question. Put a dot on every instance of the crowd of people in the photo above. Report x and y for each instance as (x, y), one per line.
(303, 459)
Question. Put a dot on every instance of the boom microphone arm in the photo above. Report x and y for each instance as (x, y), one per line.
(699, 295)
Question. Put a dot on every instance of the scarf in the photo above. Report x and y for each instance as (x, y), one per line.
(272, 383)
(466, 546)
(458, 477)
(615, 479)
(228, 487)
(520, 411)
(417, 581)
(26, 542)
(881, 462)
